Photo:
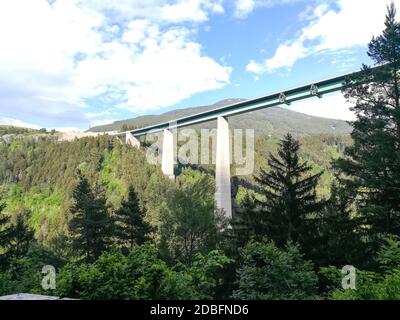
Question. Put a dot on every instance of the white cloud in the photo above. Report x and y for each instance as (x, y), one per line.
(244, 7)
(353, 24)
(17, 123)
(102, 122)
(286, 56)
(162, 11)
(333, 106)
(135, 53)
(254, 67)
(190, 10)
(20, 123)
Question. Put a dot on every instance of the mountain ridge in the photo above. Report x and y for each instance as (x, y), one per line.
(274, 120)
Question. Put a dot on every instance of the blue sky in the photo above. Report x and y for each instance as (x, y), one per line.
(71, 64)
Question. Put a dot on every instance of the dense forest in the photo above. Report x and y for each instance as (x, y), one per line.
(115, 227)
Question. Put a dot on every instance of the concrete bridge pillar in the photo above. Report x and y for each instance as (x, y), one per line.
(132, 140)
(223, 168)
(167, 156)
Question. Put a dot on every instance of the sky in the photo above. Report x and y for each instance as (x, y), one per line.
(73, 64)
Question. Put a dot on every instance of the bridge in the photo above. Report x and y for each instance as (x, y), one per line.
(222, 170)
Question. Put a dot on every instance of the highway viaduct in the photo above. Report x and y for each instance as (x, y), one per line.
(223, 161)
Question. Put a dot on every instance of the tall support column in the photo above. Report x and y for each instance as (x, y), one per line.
(167, 157)
(223, 168)
(132, 140)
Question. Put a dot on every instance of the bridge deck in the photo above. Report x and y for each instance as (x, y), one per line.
(318, 88)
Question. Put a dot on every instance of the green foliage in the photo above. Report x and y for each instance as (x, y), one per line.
(366, 285)
(114, 184)
(6, 234)
(207, 273)
(389, 255)
(285, 201)
(90, 226)
(246, 222)
(371, 166)
(22, 236)
(24, 272)
(269, 273)
(140, 275)
(319, 150)
(39, 174)
(6, 286)
(372, 285)
(336, 236)
(15, 238)
(44, 204)
(130, 227)
(15, 130)
(329, 280)
(188, 225)
(114, 276)
(289, 196)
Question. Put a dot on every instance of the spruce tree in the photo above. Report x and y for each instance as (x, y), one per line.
(15, 238)
(90, 225)
(371, 166)
(130, 226)
(289, 191)
(5, 235)
(22, 235)
(336, 240)
(245, 221)
(4, 226)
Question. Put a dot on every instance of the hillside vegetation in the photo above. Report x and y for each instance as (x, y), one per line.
(15, 130)
(40, 174)
(318, 219)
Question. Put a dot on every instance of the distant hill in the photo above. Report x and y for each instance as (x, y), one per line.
(10, 133)
(275, 121)
(5, 129)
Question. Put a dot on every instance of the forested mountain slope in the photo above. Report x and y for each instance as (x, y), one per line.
(38, 174)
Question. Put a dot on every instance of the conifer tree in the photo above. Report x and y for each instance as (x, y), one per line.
(336, 240)
(245, 221)
(289, 190)
(5, 234)
(131, 228)
(90, 226)
(4, 224)
(371, 166)
(15, 238)
(22, 235)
